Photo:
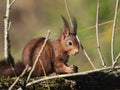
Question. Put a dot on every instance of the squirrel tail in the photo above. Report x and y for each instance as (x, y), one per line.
(6, 70)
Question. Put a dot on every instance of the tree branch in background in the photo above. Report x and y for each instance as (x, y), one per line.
(7, 25)
(113, 31)
(6, 30)
(84, 51)
(97, 37)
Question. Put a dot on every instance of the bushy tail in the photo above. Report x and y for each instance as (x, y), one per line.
(6, 70)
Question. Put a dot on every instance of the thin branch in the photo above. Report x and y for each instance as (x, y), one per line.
(38, 56)
(97, 37)
(113, 31)
(12, 2)
(44, 74)
(89, 59)
(68, 13)
(22, 74)
(118, 56)
(100, 24)
(116, 60)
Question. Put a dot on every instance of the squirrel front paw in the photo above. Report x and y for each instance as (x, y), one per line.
(75, 68)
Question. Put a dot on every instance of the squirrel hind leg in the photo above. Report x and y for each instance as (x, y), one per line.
(19, 67)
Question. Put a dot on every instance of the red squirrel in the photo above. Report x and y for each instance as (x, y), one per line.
(54, 57)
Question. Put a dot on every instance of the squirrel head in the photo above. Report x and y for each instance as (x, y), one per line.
(69, 39)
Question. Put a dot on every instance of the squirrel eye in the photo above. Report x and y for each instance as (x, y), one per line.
(69, 43)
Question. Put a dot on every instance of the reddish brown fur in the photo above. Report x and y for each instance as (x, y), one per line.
(54, 56)
(31, 51)
(5, 69)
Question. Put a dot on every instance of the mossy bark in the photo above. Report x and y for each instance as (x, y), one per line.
(102, 79)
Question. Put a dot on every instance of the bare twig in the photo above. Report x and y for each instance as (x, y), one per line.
(22, 74)
(116, 60)
(97, 37)
(68, 13)
(38, 56)
(113, 31)
(89, 59)
(12, 2)
(44, 74)
(100, 24)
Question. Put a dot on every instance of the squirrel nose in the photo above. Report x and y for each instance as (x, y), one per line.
(76, 51)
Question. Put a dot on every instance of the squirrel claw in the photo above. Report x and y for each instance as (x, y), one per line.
(75, 68)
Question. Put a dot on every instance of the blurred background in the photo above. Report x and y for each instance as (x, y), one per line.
(32, 18)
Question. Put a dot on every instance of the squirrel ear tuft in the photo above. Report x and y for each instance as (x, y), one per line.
(66, 29)
(74, 26)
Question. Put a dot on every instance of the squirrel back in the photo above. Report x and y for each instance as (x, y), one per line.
(31, 51)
